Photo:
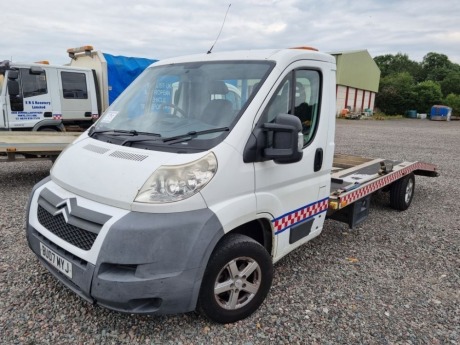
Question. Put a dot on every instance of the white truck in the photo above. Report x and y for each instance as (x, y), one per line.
(40, 96)
(180, 199)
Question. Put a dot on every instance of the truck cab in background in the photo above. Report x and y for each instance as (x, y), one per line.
(41, 96)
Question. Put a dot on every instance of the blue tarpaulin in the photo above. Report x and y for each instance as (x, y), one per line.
(122, 70)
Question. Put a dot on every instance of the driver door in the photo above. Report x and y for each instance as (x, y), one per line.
(296, 194)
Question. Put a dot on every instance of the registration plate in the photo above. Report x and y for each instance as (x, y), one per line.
(56, 260)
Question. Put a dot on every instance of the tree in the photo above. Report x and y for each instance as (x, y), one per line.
(428, 93)
(451, 84)
(453, 101)
(396, 94)
(393, 64)
(436, 67)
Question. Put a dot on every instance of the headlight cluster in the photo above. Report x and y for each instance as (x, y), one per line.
(174, 183)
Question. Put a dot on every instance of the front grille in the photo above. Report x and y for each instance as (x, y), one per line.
(57, 225)
(64, 253)
(68, 220)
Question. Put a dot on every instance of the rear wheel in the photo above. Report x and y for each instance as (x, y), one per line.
(48, 129)
(402, 192)
(237, 279)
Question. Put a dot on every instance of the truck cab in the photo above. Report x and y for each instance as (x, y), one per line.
(206, 171)
(39, 96)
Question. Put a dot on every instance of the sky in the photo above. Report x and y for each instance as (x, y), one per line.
(158, 29)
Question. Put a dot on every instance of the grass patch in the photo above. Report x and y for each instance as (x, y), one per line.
(382, 117)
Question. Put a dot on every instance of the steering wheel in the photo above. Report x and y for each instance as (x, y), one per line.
(175, 108)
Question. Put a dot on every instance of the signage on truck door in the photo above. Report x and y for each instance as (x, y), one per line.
(296, 195)
(33, 101)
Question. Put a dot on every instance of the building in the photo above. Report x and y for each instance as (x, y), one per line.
(358, 78)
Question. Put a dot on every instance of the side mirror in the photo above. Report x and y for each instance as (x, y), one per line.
(16, 101)
(13, 87)
(13, 75)
(285, 139)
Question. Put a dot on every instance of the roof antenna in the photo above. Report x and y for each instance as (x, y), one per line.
(210, 49)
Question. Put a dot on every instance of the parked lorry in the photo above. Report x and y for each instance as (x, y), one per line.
(180, 199)
(40, 96)
(43, 97)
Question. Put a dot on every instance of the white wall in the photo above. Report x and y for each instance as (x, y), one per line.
(354, 99)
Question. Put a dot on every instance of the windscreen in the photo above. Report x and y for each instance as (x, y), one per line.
(191, 103)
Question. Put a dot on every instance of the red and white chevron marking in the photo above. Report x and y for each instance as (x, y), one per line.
(367, 189)
(299, 215)
(57, 117)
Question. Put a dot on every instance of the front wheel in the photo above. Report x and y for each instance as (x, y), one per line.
(402, 192)
(236, 281)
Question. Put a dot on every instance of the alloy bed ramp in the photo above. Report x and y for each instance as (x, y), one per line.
(355, 177)
(33, 143)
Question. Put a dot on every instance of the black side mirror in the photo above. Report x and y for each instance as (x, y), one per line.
(13, 75)
(13, 87)
(281, 140)
(287, 139)
(16, 101)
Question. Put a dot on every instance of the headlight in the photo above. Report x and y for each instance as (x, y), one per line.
(174, 183)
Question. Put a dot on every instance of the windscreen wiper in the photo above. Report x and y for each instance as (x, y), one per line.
(192, 134)
(112, 131)
(136, 140)
(120, 132)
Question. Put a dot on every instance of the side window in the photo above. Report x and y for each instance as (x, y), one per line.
(306, 101)
(74, 85)
(298, 94)
(33, 84)
(280, 103)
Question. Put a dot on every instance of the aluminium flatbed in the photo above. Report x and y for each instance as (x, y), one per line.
(355, 178)
(20, 146)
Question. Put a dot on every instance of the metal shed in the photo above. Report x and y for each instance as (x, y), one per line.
(358, 78)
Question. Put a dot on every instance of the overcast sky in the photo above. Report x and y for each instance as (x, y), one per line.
(43, 30)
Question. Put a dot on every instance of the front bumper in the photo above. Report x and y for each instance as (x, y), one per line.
(145, 263)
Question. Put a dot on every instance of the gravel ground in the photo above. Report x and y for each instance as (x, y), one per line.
(395, 279)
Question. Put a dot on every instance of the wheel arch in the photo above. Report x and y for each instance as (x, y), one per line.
(49, 124)
(259, 230)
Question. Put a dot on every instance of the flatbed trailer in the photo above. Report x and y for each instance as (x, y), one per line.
(21, 146)
(355, 178)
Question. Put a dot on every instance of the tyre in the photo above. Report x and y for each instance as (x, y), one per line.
(236, 281)
(48, 129)
(402, 192)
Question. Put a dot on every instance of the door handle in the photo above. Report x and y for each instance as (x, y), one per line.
(318, 160)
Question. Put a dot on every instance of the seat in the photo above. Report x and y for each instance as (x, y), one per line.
(219, 111)
(302, 109)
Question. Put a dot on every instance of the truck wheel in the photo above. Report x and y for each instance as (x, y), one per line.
(48, 129)
(236, 281)
(402, 192)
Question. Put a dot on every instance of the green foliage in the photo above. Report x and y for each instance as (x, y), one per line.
(453, 101)
(427, 94)
(435, 66)
(406, 84)
(451, 84)
(393, 64)
(396, 94)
